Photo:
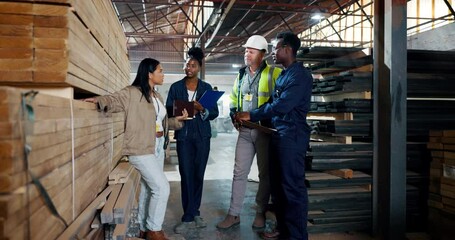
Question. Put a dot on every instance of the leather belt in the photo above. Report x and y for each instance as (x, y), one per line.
(159, 134)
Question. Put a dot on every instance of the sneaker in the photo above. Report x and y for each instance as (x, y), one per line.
(200, 223)
(259, 221)
(184, 226)
(228, 222)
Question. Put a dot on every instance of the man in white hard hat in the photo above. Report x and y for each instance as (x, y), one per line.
(253, 87)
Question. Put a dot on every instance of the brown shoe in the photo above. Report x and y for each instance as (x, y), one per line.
(274, 235)
(259, 221)
(156, 235)
(228, 222)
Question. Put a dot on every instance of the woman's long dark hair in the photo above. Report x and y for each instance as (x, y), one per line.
(148, 65)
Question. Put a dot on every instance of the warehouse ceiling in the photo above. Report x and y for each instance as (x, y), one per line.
(165, 29)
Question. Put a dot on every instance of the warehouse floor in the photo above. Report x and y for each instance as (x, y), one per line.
(216, 197)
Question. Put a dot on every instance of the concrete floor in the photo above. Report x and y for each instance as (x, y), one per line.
(216, 196)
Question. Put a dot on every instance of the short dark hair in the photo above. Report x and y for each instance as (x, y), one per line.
(291, 40)
(196, 53)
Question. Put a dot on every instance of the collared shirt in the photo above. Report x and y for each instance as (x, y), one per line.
(291, 102)
(250, 86)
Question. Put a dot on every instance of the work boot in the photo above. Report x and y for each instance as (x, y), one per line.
(200, 223)
(184, 226)
(259, 221)
(228, 222)
(156, 235)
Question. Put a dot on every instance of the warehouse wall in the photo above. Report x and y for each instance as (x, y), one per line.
(439, 39)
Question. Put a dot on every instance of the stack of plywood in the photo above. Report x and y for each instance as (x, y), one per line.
(441, 201)
(68, 43)
(73, 149)
(442, 171)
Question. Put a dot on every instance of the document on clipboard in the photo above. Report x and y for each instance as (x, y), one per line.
(209, 98)
(179, 105)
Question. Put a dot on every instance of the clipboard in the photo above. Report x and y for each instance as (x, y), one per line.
(258, 127)
(179, 105)
(209, 98)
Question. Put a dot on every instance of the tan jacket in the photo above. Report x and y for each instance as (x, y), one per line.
(140, 125)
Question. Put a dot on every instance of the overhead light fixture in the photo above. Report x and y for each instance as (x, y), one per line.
(236, 65)
(318, 15)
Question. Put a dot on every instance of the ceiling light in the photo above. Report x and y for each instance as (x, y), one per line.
(236, 65)
(317, 16)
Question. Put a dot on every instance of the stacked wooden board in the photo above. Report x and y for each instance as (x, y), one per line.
(441, 201)
(346, 105)
(345, 82)
(442, 171)
(68, 43)
(73, 148)
(341, 92)
(430, 107)
(51, 45)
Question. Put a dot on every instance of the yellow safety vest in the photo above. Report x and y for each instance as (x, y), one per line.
(266, 85)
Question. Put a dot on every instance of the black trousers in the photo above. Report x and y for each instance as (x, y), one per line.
(193, 155)
(289, 193)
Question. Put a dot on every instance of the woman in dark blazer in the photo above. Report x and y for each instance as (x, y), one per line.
(193, 140)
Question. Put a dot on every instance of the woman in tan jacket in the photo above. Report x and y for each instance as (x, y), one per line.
(146, 128)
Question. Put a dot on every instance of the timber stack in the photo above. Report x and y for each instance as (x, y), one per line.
(52, 148)
(339, 161)
(441, 200)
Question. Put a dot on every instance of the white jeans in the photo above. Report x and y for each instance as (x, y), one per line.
(154, 188)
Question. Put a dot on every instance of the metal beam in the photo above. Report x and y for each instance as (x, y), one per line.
(336, 32)
(364, 13)
(218, 26)
(186, 15)
(275, 4)
(170, 36)
(389, 133)
(450, 7)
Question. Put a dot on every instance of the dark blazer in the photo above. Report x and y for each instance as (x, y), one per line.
(199, 127)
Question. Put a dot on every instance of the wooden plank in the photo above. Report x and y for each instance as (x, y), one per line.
(86, 215)
(435, 145)
(343, 173)
(448, 133)
(107, 213)
(120, 231)
(126, 198)
(16, 8)
(16, 30)
(16, 19)
(15, 77)
(120, 173)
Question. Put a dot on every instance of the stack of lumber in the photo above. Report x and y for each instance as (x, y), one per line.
(326, 156)
(442, 171)
(360, 127)
(338, 166)
(339, 194)
(339, 209)
(441, 200)
(117, 210)
(68, 43)
(73, 149)
(345, 82)
(347, 105)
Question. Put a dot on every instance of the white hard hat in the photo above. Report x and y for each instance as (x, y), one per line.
(257, 42)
